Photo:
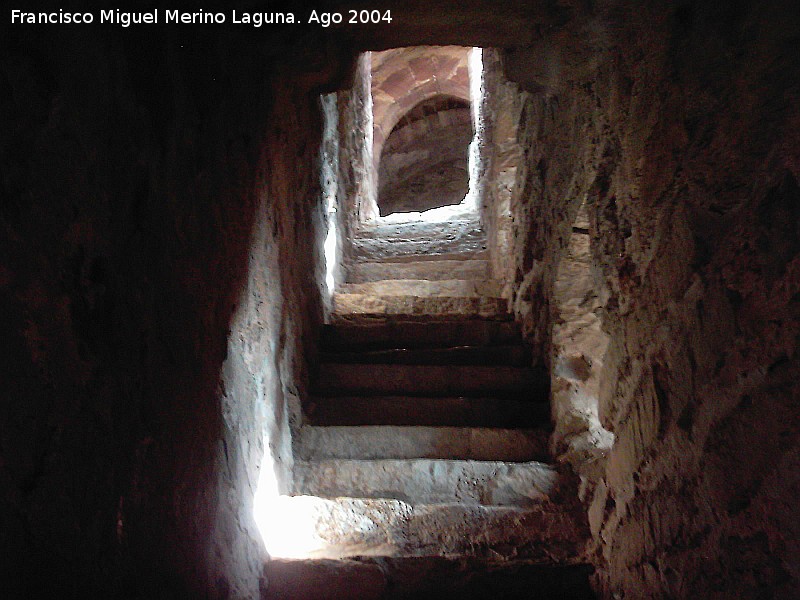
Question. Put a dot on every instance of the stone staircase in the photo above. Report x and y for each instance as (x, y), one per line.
(426, 437)
(421, 270)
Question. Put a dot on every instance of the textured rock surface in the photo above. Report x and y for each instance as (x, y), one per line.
(579, 347)
(676, 135)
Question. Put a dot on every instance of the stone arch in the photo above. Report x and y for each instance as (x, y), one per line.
(424, 163)
(403, 78)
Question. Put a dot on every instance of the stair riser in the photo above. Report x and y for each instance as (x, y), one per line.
(513, 356)
(391, 442)
(432, 380)
(410, 335)
(434, 270)
(409, 411)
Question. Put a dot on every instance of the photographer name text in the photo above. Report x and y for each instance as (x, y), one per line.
(200, 17)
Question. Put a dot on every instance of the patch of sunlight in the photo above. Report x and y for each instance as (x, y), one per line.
(287, 524)
(434, 215)
(330, 247)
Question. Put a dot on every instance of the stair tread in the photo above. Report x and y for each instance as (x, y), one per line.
(443, 288)
(425, 307)
(400, 442)
(419, 255)
(431, 481)
(355, 526)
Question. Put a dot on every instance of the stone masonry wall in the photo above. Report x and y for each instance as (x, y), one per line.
(677, 131)
(356, 193)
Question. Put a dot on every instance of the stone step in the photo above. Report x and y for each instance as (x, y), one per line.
(434, 270)
(393, 578)
(420, 230)
(346, 527)
(432, 380)
(431, 481)
(466, 249)
(452, 288)
(393, 442)
(514, 356)
(410, 411)
(457, 237)
(345, 306)
(396, 333)
(420, 255)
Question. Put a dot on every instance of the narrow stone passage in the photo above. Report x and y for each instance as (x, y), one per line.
(426, 439)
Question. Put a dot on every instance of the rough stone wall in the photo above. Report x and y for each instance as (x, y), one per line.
(158, 263)
(677, 130)
(578, 350)
(335, 208)
(558, 153)
(356, 193)
(699, 229)
(499, 154)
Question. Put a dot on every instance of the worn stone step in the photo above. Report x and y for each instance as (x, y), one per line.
(427, 308)
(397, 333)
(419, 255)
(516, 356)
(431, 481)
(432, 380)
(410, 411)
(467, 249)
(388, 241)
(420, 230)
(452, 288)
(433, 270)
(394, 442)
(393, 578)
(345, 527)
